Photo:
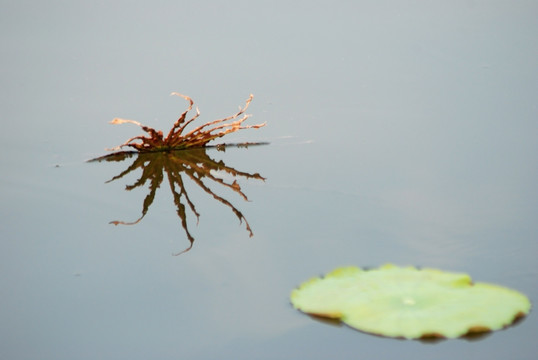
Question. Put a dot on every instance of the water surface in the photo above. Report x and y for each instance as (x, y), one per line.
(398, 133)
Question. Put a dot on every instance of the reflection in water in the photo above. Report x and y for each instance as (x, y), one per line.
(194, 164)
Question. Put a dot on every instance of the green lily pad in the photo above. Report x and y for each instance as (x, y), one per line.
(407, 302)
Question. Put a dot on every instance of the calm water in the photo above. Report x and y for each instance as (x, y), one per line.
(398, 133)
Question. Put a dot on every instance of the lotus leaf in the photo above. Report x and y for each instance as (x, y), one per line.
(411, 303)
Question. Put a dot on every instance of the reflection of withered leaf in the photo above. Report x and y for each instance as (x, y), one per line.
(195, 164)
(176, 139)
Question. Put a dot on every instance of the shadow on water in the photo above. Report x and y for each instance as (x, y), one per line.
(193, 164)
(426, 340)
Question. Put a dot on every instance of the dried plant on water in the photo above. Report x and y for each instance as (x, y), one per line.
(179, 138)
(196, 165)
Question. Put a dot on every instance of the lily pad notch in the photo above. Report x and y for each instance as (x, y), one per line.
(410, 303)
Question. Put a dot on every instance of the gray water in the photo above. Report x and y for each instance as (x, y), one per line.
(401, 133)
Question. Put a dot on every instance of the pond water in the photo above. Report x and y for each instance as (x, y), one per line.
(401, 133)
